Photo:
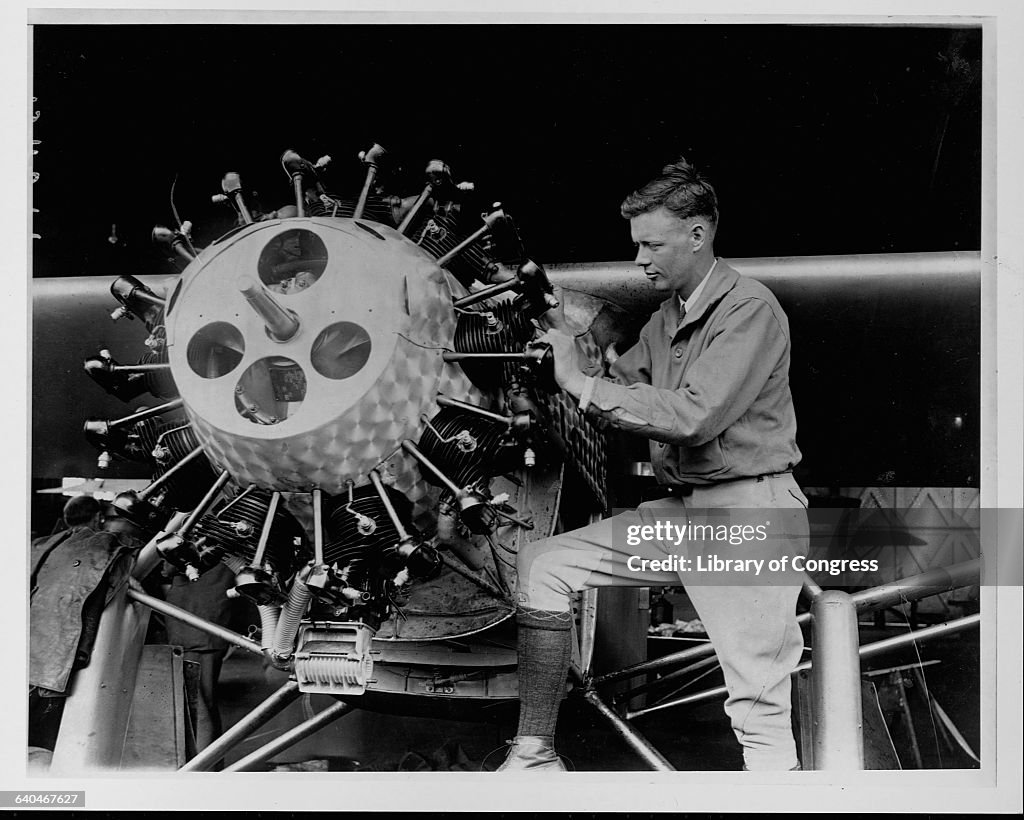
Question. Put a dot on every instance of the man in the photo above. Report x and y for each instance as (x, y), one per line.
(74, 575)
(207, 598)
(708, 384)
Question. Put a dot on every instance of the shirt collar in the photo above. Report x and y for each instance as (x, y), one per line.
(687, 305)
(714, 288)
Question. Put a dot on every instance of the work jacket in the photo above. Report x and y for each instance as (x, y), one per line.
(709, 389)
(67, 568)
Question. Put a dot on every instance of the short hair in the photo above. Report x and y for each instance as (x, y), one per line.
(80, 510)
(680, 188)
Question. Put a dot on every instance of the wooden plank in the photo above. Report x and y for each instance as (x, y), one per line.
(157, 737)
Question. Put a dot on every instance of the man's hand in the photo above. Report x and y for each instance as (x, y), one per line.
(554, 318)
(568, 372)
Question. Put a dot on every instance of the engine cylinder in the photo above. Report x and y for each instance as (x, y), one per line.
(236, 527)
(466, 447)
(360, 534)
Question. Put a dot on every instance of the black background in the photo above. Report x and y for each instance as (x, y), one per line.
(820, 140)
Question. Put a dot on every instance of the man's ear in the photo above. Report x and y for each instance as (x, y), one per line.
(699, 235)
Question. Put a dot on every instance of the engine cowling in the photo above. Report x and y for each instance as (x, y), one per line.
(370, 316)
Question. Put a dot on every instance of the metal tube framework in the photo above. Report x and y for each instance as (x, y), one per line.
(836, 706)
(929, 583)
(274, 704)
(837, 738)
(195, 621)
(290, 738)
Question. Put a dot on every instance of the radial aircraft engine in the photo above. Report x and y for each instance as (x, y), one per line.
(353, 416)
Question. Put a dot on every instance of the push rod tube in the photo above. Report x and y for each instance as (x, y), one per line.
(403, 228)
(378, 485)
(148, 413)
(371, 158)
(439, 178)
(364, 194)
(231, 185)
(318, 526)
(204, 505)
(414, 451)
(486, 293)
(490, 220)
(268, 524)
(296, 167)
(445, 401)
(146, 492)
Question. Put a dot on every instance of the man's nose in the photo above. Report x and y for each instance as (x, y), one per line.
(641, 258)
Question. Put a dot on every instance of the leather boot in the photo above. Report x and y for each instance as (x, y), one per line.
(532, 753)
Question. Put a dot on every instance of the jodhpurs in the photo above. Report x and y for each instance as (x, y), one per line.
(750, 618)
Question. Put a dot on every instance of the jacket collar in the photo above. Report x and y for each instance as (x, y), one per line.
(723, 279)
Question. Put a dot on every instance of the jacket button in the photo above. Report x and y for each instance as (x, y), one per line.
(76, 563)
(679, 352)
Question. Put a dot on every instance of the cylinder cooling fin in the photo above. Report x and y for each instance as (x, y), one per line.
(468, 448)
(360, 536)
(159, 381)
(440, 234)
(167, 442)
(498, 328)
(236, 528)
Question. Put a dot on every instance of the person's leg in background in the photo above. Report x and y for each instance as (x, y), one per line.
(44, 714)
(209, 662)
(206, 598)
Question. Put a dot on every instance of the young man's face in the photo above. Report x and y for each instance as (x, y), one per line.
(666, 250)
